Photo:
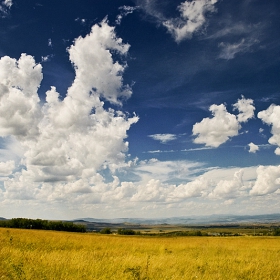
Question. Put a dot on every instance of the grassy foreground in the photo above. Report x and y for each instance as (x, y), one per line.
(34, 254)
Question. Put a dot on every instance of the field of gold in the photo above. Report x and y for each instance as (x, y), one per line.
(32, 254)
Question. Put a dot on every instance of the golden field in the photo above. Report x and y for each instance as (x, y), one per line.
(34, 254)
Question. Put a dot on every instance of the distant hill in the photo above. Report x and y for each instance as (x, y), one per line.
(191, 220)
(186, 220)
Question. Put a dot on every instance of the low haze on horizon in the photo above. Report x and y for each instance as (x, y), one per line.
(139, 108)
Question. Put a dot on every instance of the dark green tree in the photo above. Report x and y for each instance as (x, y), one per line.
(106, 231)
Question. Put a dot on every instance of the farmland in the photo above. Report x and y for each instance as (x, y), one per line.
(39, 254)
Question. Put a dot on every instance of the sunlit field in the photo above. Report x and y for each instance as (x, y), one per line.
(32, 254)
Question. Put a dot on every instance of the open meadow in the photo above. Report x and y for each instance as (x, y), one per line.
(35, 254)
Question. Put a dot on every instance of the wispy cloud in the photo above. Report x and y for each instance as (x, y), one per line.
(163, 138)
(232, 29)
(168, 170)
(81, 20)
(177, 151)
(197, 149)
(46, 58)
(4, 7)
(50, 43)
(160, 151)
(237, 37)
(191, 19)
(7, 3)
(230, 50)
(125, 10)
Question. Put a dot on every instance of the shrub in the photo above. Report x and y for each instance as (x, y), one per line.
(106, 231)
(123, 231)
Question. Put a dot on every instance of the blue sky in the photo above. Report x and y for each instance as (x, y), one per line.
(139, 108)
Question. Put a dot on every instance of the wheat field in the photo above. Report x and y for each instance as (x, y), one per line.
(34, 254)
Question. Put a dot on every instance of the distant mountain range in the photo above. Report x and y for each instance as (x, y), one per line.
(188, 220)
(192, 220)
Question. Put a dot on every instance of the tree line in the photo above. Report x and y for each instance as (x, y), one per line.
(123, 231)
(120, 231)
(42, 224)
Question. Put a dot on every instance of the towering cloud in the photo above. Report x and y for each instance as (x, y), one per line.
(72, 138)
(19, 108)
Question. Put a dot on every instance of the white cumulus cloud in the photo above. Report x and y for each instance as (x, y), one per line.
(95, 68)
(6, 168)
(228, 188)
(19, 102)
(271, 117)
(196, 188)
(68, 139)
(268, 180)
(246, 109)
(253, 148)
(217, 130)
